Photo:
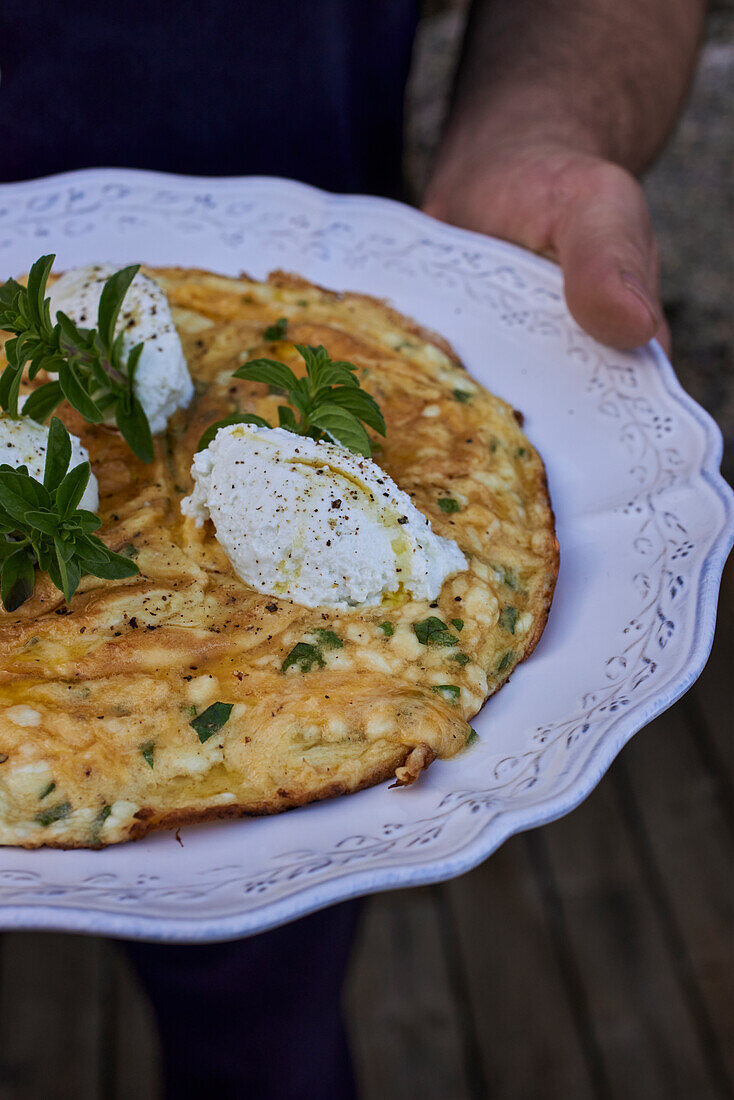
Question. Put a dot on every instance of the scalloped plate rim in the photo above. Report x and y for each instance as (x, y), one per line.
(497, 828)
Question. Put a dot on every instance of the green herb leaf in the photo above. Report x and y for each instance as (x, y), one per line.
(235, 418)
(508, 618)
(92, 375)
(147, 750)
(433, 631)
(46, 791)
(448, 505)
(342, 427)
(269, 371)
(41, 402)
(361, 404)
(19, 492)
(328, 402)
(211, 720)
(40, 524)
(287, 418)
(10, 385)
(458, 623)
(37, 279)
(277, 330)
(53, 814)
(387, 629)
(110, 302)
(461, 659)
(463, 396)
(43, 521)
(112, 567)
(450, 692)
(71, 489)
(58, 455)
(74, 389)
(322, 371)
(134, 428)
(17, 580)
(472, 736)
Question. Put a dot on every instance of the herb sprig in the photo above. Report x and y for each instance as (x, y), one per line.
(41, 524)
(328, 402)
(93, 375)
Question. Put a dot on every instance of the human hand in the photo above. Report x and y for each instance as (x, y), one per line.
(584, 212)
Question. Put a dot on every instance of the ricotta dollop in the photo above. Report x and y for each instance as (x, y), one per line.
(314, 522)
(24, 442)
(162, 381)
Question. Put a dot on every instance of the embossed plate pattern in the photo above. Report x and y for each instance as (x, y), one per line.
(644, 522)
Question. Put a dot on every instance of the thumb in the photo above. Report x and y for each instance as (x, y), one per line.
(606, 248)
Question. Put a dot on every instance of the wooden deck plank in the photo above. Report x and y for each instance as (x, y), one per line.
(404, 1019)
(640, 1019)
(677, 823)
(50, 1016)
(525, 1029)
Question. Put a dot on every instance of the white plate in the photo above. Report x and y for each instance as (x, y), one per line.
(644, 523)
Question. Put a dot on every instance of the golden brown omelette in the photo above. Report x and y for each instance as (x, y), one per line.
(97, 698)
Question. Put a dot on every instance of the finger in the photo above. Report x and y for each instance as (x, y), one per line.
(607, 251)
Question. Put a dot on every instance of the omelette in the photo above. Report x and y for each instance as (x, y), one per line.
(173, 696)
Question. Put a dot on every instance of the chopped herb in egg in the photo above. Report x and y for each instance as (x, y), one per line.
(53, 814)
(277, 330)
(506, 575)
(449, 692)
(147, 750)
(508, 618)
(462, 396)
(327, 638)
(461, 659)
(472, 736)
(433, 631)
(100, 819)
(303, 656)
(46, 791)
(306, 656)
(505, 660)
(448, 505)
(387, 629)
(458, 623)
(211, 720)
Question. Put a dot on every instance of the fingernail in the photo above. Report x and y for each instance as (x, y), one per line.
(635, 284)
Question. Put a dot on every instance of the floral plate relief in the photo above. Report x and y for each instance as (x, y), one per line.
(659, 520)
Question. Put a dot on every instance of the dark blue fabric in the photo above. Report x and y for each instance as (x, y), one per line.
(310, 89)
(256, 1019)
